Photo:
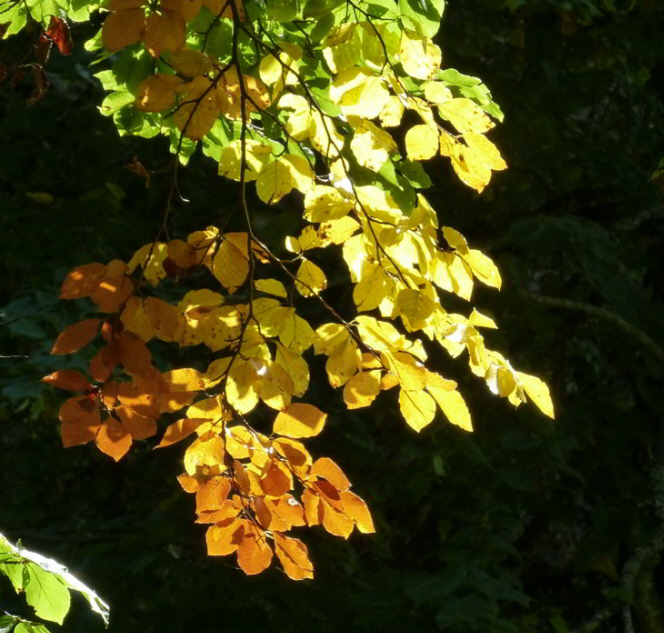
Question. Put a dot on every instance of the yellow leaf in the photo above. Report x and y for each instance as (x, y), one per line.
(153, 268)
(452, 405)
(483, 268)
(199, 109)
(392, 112)
(231, 264)
(417, 407)
(337, 231)
(326, 469)
(465, 116)
(437, 92)
(271, 287)
(419, 56)
(357, 510)
(323, 203)
(186, 379)
(256, 157)
(421, 142)
(242, 384)
(281, 176)
(361, 390)
(344, 363)
(486, 151)
(410, 372)
(300, 420)
(414, 304)
(296, 367)
(374, 286)
(538, 392)
(359, 92)
(297, 334)
(276, 386)
(203, 455)
(311, 280)
(477, 319)
(371, 146)
(294, 557)
(190, 63)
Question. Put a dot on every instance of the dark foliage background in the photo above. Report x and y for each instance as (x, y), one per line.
(526, 525)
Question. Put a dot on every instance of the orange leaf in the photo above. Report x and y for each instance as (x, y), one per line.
(164, 31)
(228, 510)
(68, 379)
(329, 494)
(300, 420)
(179, 430)
(104, 362)
(188, 9)
(295, 454)
(294, 557)
(254, 554)
(113, 439)
(224, 537)
(80, 420)
(164, 318)
(311, 507)
(133, 354)
(76, 336)
(357, 510)
(82, 281)
(264, 516)
(327, 469)
(212, 494)
(138, 426)
(171, 402)
(189, 483)
(156, 93)
(336, 522)
(287, 510)
(138, 398)
(112, 292)
(123, 28)
(276, 481)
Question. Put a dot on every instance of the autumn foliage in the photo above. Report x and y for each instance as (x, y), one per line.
(297, 99)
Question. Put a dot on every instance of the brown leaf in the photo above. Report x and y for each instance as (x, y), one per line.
(76, 336)
(82, 281)
(68, 379)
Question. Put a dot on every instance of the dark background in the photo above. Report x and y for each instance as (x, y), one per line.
(525, 525)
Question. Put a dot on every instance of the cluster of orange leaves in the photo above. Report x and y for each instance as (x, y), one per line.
(161, 28)
(245, 481)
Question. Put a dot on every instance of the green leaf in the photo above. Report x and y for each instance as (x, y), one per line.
(47, 594)
(414, 173)
(30, 627)
(422, 16)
